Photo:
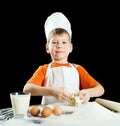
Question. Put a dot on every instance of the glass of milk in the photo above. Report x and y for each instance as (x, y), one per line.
(20, 104)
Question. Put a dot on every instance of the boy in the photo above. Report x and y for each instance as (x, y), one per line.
(58, 80)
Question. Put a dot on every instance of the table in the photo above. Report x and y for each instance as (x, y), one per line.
(89, 114)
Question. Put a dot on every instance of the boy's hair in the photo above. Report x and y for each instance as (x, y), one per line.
(57, 31)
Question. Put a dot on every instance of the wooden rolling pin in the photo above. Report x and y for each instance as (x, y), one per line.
(112, 105)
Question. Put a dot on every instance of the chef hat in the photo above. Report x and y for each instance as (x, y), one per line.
(57, 20)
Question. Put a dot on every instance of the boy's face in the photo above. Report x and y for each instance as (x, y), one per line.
(59, 47)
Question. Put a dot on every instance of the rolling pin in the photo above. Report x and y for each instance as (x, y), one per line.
(112, 105)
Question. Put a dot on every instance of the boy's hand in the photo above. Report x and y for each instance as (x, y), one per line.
(84, 95)
(61, 94)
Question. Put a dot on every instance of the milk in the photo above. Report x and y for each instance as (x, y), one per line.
(20, 104)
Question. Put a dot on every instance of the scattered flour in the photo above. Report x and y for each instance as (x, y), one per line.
(89, 114)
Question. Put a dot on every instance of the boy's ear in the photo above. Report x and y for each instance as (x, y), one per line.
(71, 48)
(47, 49)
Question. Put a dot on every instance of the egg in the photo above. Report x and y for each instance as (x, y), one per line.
(34, 110)
(57, 110)
(46, 111)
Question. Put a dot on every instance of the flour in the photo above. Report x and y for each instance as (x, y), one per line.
(94, 111)
(89, 114)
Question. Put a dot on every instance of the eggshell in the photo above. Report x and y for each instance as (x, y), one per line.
(46, 111)
(34, 110)
(57, 110)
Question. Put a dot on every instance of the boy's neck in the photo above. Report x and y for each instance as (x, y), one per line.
(60, 62)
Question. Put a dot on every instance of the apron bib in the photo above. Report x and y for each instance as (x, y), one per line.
(61, 77)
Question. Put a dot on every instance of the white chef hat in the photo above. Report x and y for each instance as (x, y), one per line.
(57, 20)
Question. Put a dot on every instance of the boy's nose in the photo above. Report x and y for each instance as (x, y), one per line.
(59, 45)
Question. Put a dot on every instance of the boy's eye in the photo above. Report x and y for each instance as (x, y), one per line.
(64, 42)
(54, 42)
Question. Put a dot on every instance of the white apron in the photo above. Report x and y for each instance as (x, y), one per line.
(61, 77)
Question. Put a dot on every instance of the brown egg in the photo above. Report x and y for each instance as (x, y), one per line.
(34, 110)
(57, 110)
(46, 111)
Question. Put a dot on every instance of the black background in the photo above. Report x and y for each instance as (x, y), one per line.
(94, 35)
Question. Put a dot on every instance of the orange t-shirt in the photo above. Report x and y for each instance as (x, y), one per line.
(86, 80)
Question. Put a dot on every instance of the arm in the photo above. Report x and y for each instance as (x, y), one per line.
(36, 90)
(86, 94)
(95, 91)
(89, 86)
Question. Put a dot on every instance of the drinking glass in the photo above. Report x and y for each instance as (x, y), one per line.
(20, 104)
